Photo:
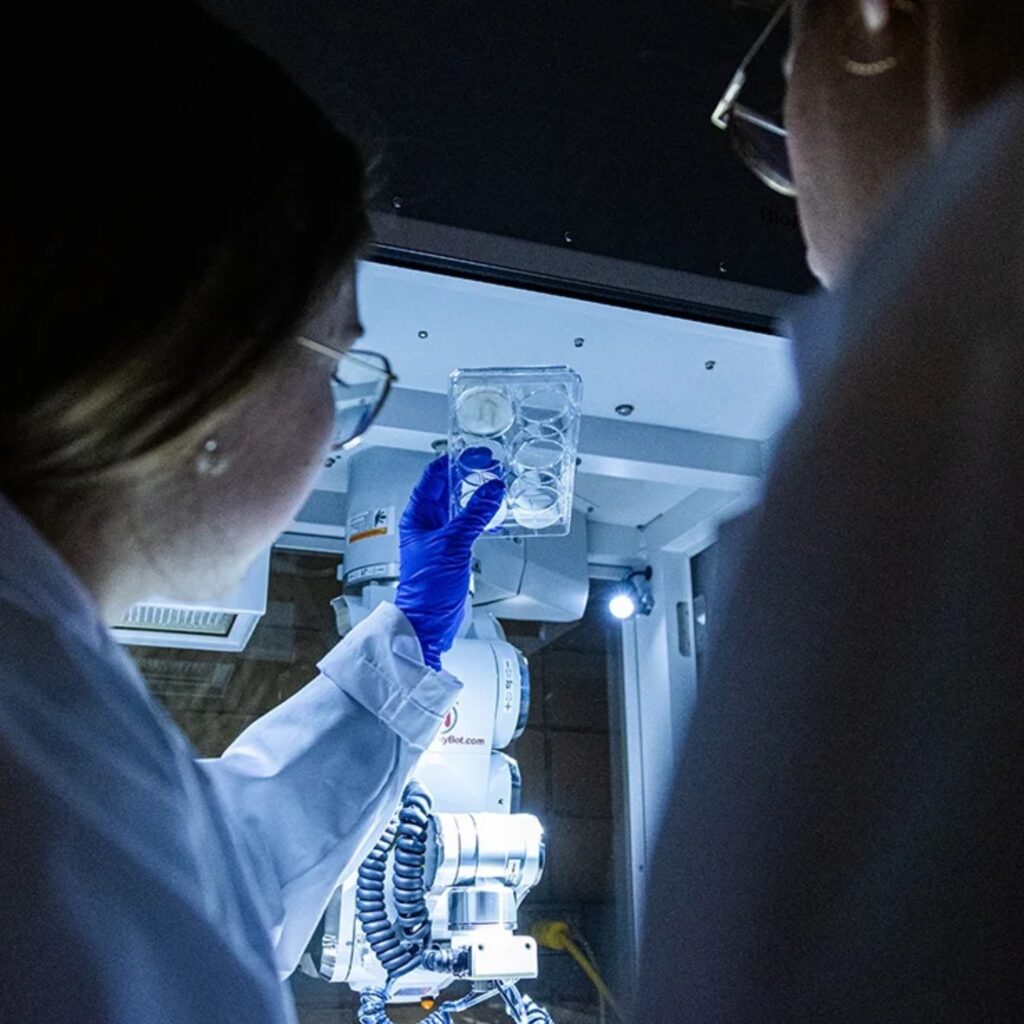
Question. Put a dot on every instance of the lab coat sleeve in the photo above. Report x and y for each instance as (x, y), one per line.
(308, 789)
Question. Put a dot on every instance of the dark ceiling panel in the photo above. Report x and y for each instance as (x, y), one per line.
(580, 124)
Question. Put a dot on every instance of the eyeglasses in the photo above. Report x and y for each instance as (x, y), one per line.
(758, 139)
(361, 385)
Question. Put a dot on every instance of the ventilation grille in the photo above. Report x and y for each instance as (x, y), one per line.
(178, 620)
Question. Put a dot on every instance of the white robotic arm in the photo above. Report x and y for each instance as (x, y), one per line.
(437, 900)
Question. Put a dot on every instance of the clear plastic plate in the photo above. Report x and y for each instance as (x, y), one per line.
(521, 425)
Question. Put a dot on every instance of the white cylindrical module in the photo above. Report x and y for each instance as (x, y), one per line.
(494, 706)
(482, 906)
(461, 768)
(380, 483)
(490, 781)
(481, 849)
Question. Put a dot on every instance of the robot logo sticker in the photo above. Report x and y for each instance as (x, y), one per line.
(450, 721)
(375, 522)
(448, 727)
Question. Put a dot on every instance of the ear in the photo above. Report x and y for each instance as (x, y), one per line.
(876, 14)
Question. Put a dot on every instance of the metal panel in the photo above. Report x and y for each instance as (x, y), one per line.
(569, 272)
(659, 693)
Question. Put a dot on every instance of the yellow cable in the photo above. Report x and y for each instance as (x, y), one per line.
(591, 972)
(557, 935)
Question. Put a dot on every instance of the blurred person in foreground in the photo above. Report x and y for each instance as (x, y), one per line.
(845, 837)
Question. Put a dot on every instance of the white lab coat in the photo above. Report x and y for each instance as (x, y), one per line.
(138, 884)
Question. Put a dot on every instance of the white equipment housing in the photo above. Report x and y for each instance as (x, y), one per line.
(222, 624)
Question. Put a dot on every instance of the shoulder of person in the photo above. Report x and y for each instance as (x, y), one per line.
(76, 715)
(53, 661)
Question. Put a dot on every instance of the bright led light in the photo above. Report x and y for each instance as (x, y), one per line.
(354, 443)
(622, 606)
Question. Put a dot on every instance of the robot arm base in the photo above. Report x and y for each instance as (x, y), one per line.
(499, 956)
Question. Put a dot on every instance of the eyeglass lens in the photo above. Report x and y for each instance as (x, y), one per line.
(360, 388)
(756, 125)
(762, 147)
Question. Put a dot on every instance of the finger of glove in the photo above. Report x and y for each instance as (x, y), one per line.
(428, 505)
(479, 459)
(480, 510)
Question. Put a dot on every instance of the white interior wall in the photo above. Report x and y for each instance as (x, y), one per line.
(706, 397)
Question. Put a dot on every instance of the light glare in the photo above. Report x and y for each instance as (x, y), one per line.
(622, 606)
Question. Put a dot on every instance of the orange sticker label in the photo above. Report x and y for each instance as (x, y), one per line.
(367, 534)
(376, 522)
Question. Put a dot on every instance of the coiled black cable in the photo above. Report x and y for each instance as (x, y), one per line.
(409, 870)
(371, 908)
(398, 949)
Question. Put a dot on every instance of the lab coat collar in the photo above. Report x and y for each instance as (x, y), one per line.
(35, 577)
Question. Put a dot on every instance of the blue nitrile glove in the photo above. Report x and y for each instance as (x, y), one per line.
(437, 555)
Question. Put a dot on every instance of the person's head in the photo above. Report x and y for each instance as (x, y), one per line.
(875, 85)
(175, 213)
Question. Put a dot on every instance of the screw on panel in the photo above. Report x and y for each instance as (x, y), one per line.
(578, 342)
(710, 364)
(424, 334)
(625, 409)
(722, 268)
(396, 202)
(567, 237)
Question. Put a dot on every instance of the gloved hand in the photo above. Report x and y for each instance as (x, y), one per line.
(436, 557)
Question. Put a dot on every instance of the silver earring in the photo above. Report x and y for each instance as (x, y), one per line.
(883, 65)
(211, 461)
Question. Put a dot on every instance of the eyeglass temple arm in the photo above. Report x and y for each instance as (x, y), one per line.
(720, 118)
(316, 346)
(333, 353)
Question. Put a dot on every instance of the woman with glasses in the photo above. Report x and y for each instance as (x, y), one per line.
(846, 836)
(177, 307)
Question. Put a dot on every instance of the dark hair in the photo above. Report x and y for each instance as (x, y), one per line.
(172, 205)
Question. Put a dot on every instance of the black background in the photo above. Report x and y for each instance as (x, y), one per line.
(533, 120)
